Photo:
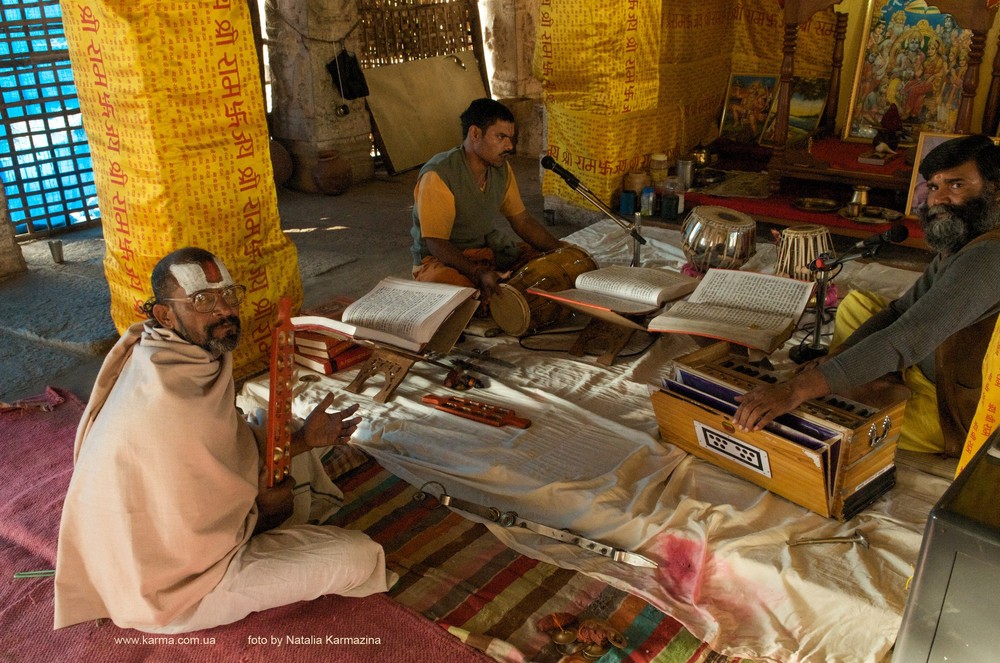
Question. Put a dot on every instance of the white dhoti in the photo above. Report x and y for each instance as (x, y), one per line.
(294, 562)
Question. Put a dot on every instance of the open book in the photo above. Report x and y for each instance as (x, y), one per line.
(611, 293)
(756, 310)
(401, 313)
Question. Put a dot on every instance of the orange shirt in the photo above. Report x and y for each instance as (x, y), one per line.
(435, 204)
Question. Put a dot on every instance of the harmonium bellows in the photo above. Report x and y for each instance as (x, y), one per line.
(833, 455)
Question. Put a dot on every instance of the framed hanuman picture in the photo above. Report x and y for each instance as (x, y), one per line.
(748, 100)
(912, 56)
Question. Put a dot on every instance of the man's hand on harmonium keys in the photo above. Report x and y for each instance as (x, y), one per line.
(760, 406)
(323, 429)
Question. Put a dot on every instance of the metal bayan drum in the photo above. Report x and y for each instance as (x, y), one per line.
(799, 246)
(517, 312)
(718, 237)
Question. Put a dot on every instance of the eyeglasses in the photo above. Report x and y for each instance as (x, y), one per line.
(206, 300)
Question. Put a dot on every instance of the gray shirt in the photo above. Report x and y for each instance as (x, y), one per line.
(954, 292)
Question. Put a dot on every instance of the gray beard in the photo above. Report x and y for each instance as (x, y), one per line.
(947, 228)
(219, 346)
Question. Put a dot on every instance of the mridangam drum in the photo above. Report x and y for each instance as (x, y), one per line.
(718, 237)
(799, 246)
(517, 312)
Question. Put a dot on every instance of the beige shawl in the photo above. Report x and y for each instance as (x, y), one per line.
(163, 487)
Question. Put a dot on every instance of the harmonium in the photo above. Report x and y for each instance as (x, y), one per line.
(833, 455)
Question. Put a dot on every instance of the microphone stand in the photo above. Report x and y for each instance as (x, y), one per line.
(823, 270)
(636, 246)
(631, 228)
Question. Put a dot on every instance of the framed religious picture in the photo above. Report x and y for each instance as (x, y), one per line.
(805, 110)
(914, 57)
(927, 141)
(748, 100)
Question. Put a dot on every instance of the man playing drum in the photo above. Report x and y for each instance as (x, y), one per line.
(457, 196)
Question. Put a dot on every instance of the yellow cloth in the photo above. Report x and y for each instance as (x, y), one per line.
(921, 430)
(984, 420)
(435, 204)
(172, 104)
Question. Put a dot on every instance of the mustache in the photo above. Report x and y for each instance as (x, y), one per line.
(232, 320)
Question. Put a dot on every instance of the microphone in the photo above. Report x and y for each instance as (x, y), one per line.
(574, 183)
(865, 248)
(894, 235)
(549, 163)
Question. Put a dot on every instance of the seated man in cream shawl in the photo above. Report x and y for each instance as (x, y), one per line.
(168, 525)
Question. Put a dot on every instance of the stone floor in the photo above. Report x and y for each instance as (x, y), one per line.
(56, 326)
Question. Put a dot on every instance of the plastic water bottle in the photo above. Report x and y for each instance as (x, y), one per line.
(647, 201)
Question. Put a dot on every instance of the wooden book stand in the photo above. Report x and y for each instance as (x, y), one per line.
(390, 363)
(394, 363)
(608, 338)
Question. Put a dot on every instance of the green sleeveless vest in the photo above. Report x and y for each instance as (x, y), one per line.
(474, 209)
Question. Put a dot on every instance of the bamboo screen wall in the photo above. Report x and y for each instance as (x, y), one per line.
(394, 31)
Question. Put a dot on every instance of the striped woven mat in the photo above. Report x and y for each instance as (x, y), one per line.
(456, 573)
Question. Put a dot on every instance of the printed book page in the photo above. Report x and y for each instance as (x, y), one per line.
(757, 292)
(756, 310)
(638, 284)
(624, 290)
(397, 312)
(756, 329)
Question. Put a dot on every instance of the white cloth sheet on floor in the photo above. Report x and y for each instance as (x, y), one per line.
(593, 462)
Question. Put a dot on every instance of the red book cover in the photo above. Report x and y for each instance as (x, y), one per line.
(324, 366)
(319, 340)
(355, 355)
(325, 352)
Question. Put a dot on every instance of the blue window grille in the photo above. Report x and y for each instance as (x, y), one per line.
(45, 163)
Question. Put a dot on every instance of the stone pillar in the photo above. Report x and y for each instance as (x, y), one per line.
(509, 41)
(309, 116)
(11, 258)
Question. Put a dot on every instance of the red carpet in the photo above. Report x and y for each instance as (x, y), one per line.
(37, 448)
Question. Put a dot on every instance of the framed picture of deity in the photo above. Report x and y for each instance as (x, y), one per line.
(914, 57)
(748, 100)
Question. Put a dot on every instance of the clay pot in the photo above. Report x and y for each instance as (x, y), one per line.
(332, 173)
(281, 163)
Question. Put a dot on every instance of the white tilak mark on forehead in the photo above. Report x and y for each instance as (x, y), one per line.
(192, 278)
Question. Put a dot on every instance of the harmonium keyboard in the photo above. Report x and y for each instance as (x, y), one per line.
(833, 455)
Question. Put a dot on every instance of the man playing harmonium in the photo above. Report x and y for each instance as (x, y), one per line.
(457, 196)
(168, 524)
(937, 332)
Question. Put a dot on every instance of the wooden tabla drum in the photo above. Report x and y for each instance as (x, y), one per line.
(517, 312)
(799, 246)
(718, 237)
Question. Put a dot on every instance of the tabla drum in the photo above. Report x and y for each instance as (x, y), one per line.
(517, 312)
(799, 246)
(718, 237)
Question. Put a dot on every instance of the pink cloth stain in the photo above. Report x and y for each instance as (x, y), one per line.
(682, 562)
(690, 270)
